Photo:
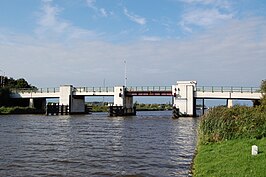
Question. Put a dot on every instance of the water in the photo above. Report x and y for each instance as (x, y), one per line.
(149, 144)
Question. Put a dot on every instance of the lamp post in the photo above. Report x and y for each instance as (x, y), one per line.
(125, 62)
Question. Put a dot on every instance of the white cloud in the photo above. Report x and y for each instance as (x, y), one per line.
(205, 13)
(205, 17)
(218, 3)
(100, 11)
(103, 12)
(49, 17)
(53, 27)
(151, 38)
(135, 18)
(233, 54)
(91, 3)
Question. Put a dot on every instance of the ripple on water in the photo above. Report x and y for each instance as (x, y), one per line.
(149, 144)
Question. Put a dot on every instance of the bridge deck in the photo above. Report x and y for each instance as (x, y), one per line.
(201, 92)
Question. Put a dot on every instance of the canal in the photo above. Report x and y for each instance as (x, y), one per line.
(149, 144)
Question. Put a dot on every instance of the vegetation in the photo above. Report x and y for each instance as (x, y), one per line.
(263, 90)
(152, 107)
(225, 139)
(6, 84)
(99, 107)
(16, 83)
(230, 158)
(4, 96)
(222, 123)
(18, 110)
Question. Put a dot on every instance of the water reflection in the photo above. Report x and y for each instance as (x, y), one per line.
(149, 144)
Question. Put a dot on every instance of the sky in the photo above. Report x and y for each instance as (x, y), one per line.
(86, 42)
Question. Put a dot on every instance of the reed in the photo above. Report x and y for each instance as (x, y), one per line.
(222, 123)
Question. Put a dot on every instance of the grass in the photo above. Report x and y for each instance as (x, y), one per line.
(221, 123)
(225, 138)
(230, 159)
(18, 110)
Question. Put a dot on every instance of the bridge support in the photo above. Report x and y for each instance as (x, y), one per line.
(123, 104)
(76, 103)
(183, 97)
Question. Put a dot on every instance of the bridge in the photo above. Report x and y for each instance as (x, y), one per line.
(184, 94)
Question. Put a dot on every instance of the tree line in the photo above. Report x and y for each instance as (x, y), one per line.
(6, 84)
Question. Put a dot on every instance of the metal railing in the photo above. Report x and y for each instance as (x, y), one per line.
(94, 89)
(149, 88)
(228, 89)
(36, 90)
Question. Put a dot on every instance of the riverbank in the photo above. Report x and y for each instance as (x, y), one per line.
(139, 107)
(230, 158)
(19, 110)
(225, 137)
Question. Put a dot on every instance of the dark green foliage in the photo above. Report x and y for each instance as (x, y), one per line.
(263, 90)
(4, 96)
(19, 110)
(99, 108)
(19, 83)
(223, 123)
(8, 84)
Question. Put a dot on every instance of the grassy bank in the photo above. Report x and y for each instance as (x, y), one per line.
(225, 137)
(19, 110)
(231, 158)
(139, 107)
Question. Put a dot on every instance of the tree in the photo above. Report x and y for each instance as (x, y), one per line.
(4, 96)
(8, 84)
(263, 90)
(19, 83)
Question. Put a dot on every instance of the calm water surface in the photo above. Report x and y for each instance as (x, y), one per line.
(149, 144)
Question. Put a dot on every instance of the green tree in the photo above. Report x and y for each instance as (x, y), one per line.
(19, 83)
(8, 84)
(263, 90)
(4, 96)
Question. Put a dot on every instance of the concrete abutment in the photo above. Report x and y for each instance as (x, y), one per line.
(123, 103)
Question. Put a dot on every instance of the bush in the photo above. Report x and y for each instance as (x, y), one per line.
(19, 110)
(222, 123)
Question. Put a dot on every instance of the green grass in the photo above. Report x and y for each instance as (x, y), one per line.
(19, 110)
(221, 123)
(230, 158)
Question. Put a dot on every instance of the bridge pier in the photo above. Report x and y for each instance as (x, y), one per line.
(183, 97)
(76, 103)
(123, 104)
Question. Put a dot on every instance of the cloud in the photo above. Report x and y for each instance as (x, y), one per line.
(205, 13)
(151, 38)
(91, 3)
(217, 3)
(101, 11)
(50, 25)
(49, 17)
(135, 18)
(204, 18)
(233, 54)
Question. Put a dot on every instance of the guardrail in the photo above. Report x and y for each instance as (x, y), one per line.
(94, 89)
(148, 88)
(36, 90)
(228, 89)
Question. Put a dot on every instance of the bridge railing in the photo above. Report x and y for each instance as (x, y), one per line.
(148, 88)
(94, 89)
(228, 89)
(36, 90)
